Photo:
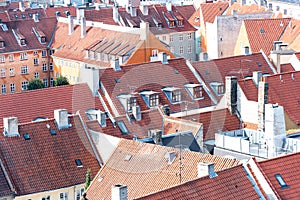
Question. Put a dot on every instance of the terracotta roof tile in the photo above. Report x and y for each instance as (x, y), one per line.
(211, 10)
(104, 15)
(47, 162)
(291, 31)
(195, 18)
(286, 67)
(295, 45)
(71, 97)
(18, 15)
(186, 10)
(263, 32)
(239, 66)
(215, 121)
(51, 11)
(4, 186)
(231, 183)
(245, 9)
(148, 165)
(287, 167)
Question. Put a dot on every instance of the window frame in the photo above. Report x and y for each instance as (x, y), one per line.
(12, 88)
(24, 69)
(154, 100)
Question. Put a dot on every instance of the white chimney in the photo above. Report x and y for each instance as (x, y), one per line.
(133, 11)
(170, 156)
(71, 24)
(119, 192)
(144, 30)
(102, 119)
(256, 77)
(144, 9)
(205, 169)
(115, 64)
(79, 13)
(35, 17)
(163, 57)
(83, 27)
(115, 14)
(169, 6)
(61, 118)
(21, 6)
(136, 111)
(10, 126)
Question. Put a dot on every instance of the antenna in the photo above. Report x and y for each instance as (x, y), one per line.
(180, 157)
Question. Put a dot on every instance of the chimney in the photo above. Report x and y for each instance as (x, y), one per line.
(144, 28)
(133, 11)
(205, 169)
(115, 64)
(21, 6)
(35, 17)
(101, 118)
(256, 77)
(79, 13)
(71, 24)
(144, 9)
(263, 88)
(119, 192)
(61, 118)
(163, 57)
(10, 126)
(156, 135)
(169, 6)
(234, 12)
(231, 93)
(171, 155)
(136, 111)
(83, 27)
(166, 109)
(116, 14)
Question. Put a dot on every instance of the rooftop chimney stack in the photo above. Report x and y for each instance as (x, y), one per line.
(21, 6)
(263, 88)
(144, 9)
(10, 126)
(71, 24)
(83, 27)
(136, 111)
(206, 169)
(257, 77)
(79, 13)
(116, 14)
(132, 11)
(119, 192)
(163, 57)
(169, 6)
(156, 136)
(144, 28)
(231, 93)
(115, 64)
(61, 118)
(35, 17)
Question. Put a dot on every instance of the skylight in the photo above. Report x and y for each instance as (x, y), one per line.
(122, 127)
(26, 136)
(78, 163)
(53, 132)
(281, 181)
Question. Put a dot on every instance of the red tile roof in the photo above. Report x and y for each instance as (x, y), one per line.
(291, 31)
(280, 87)
(186, 10)
(149, 166)
(239, 66)
(209, 11)
(263, 32)
(287, 167)
(245, 9)
(151, 76)
(25, 27)
(17, 15)
(195, 18)
(230, 184)
(4, 186)
(70, 97)
(286, 67)
(215, 121)
(47, 162)
(51, 11)
(104, 15)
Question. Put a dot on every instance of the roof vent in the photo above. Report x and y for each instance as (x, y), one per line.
(170, 156)
(61, 118)
(10, 126)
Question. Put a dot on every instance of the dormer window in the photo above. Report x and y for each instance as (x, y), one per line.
(218, 88)
(128, 101)
(171, 23)
(43, 39)
(2, 44)
(180, 22)
(173, 94)
(151, 98)
(195, 90)
(23, 42)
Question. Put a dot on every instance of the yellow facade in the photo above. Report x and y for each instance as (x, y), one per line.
(242, 42)
(67, 68)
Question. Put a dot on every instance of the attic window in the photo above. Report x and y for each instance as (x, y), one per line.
(53, 132)
(23, 42)
(78, 163)
(258, 64)
(195, 91)
(122, 127)
(281, 182)
(218, 88)
(127, 157)
(2, 44)
(128, 101)
(43, 39)
(26, 136)
(262, 31)
(151, 98)
(117, 80)
(173, 94)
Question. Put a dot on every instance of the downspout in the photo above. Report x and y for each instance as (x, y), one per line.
(48, 54)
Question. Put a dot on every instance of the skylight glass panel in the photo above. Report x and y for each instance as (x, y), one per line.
(122, 127)
(280, 180)
(78, 163)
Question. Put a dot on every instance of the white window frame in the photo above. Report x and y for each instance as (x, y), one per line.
(35, 61)
(12, 88)
(24, 69)
(79, 193)
(45, 68)
(153, 100)
(36, 74)
(64, 196)
(45, 81)
(2, 73)
(3, 89)
(2, 58)
(12, 72)
(24, 85)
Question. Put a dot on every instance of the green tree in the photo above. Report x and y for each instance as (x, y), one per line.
(35, 83)
(61, 81)
(88, 179)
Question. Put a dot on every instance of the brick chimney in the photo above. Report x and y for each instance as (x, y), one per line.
(263, 88)
(206, 169)
(231, 93)
(61, 118)
(83, 27)
(10, 126)
(119, 192)
(71, 24)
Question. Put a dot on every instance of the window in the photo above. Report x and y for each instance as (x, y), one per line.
(164, 38)
(122, 127)
(51, 66)
(176, 96)
(44, 53)
(3, 89)
(180, 22)
(197, 92)
(154, 53)
(36, 75)
(181, 49)
(35, 61)
(35, 53)
(180, 37)
(270, 6)
(172, 49)
(277, 8)
(24, 69)
(190, 48)
(11, 57)
(2, 44)
(154, 100)
(63, 196)
(46, 198)
(12, 88)
(171, 38)
(12, 71)
(221, 89)
(281, 181)
(79, 193)
(43, 39)
(52, 82)
(44, 67)
(131, 101)
(285, 11)
(2, 59)
(189, 36)
(24, 85)
(51, 52)
(23, 56)
(45, 80)
(23, 42)
(2, 73)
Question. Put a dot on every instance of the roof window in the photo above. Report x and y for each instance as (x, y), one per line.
(281, 182)
(122, 127)
(26, 136)
(78, 163)
(151, 98)
(194, 90)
